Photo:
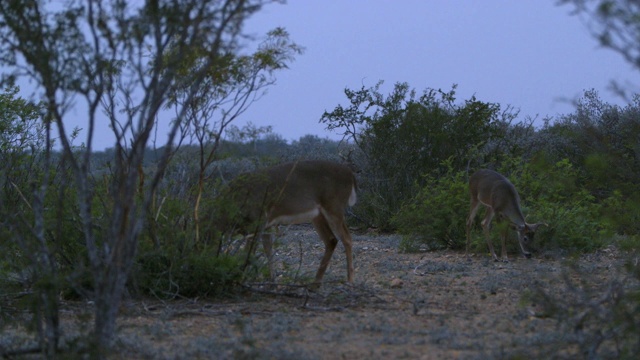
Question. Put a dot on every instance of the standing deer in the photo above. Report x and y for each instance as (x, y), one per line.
(298, 192)
(498, 194)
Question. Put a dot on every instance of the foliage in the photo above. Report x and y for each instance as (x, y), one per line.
(21, 141)
(573, 225)
(202, 273)
(121, 61)
(597, 137)
(622, 213)
(404, 136)
(550, 193)
(436, 216)
(27, 257)
(600, 142)
(229, 86)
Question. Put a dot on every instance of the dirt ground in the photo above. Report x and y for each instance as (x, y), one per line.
(430, 305)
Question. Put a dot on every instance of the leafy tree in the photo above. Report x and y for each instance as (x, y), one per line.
(230, 85)
(22, 239)
(616, 26)
(404, 136)
(601, 141)
(120, 60)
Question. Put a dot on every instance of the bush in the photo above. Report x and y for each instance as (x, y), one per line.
(428, 132)
(622, 212)
(436, 217)
(198, 274)
(553, 193)
(550, 193)
(573, 225)
(174, 262)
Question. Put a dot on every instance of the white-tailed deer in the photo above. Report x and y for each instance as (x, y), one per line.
(498, 194)
(298, 192)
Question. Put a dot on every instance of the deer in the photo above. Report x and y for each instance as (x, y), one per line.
(309, 191)
(498, 194)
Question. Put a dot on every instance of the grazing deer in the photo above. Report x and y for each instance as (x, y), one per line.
(298, 192)
(498, 194)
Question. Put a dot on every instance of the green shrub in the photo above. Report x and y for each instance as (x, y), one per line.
(436, 217)
(553, 193)
(550, 193)
(204, 273)
(429, 132)
(622, 212)
(200, 273)
(574, 225)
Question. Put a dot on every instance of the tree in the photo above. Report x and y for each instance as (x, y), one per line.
(616, 26)
(22, 147)
(119, 60)
(227, 90)
(405, 136)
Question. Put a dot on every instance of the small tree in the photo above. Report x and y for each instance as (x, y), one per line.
(229, 87)
(121, 61)
(23, 151)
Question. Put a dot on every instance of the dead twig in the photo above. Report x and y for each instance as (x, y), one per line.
(10, 354)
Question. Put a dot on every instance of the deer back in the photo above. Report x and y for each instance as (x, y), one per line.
(291, 192)
(497, 192)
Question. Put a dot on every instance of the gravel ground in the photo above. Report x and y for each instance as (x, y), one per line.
(431, 305)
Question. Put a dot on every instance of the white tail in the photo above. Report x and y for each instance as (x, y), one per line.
(498, 194)
(299, 192)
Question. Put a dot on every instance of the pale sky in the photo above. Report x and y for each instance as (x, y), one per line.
(530, 54)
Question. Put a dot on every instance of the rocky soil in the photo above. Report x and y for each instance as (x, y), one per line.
(431, 305)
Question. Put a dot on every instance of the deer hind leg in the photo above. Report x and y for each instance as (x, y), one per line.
(348, 250)
(340, 231)
(330, 242)
(267, 245)
(486, 226)
(475, 204)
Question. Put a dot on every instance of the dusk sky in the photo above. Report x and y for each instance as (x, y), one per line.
(530, 54)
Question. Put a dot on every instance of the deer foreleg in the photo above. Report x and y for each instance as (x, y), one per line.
(486, 226)
(475, 204)
(503, 239)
